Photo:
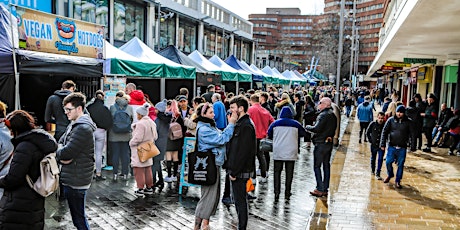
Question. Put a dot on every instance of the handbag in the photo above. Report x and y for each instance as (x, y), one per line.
(147, 150)
(266, 145)
(202, 168)
(250, 186)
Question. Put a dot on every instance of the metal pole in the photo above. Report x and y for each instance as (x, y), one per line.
(339, 58)
(352, 39)
(457, 90)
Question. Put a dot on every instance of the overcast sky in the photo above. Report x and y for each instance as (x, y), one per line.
(245, 7)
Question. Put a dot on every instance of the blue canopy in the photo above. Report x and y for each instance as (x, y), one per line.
(235, 63)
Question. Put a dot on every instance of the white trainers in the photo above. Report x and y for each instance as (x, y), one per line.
(139, 192)
(174, 178)
(168, 179)
(262, 180)
(258, 172)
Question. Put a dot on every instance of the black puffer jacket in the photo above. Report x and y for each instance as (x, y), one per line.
(242, 148)
(21, 207)
(100, 114)
(374, 133)
(397, 132)
(325, 126)
(78, 146)
(54, 113)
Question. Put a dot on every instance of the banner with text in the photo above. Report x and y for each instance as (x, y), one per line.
(50, 33)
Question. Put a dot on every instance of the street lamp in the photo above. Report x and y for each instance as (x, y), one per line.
(340, 51)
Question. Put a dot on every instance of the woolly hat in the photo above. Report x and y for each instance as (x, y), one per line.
(143, 110)
(401, 109)
(161, 106)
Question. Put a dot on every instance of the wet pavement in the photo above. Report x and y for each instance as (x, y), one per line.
(113, 205)
(429, 199)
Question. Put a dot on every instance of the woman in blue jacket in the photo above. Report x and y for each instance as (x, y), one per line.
(210, 137)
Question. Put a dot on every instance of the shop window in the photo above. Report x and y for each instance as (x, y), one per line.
(91, 11)
(167, 32)
(187, 37)
(128, 21)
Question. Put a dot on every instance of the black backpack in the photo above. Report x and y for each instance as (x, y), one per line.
(121, 120)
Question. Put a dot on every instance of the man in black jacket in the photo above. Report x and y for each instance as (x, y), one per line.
(324, 131)
(241, 156)
(374, 134)
(54, 113)
(397, 130)
(76, 154)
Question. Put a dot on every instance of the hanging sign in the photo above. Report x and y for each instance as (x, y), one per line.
(50, 33)
(397, 64)
(420, 60)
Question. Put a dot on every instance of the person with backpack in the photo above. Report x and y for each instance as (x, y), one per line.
(20, 206)
(102, 117)
(120, 134)
(175, 142)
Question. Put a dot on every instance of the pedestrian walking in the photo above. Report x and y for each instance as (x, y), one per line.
(397, 131)
(262, 120)
(76, 153)
(324, 131)
(365, 116)
(20, 206)
(285, 133)
(143, 130)
(241, 156)
(374, 134)
(103, 118)
(209, 137)
(120, 134)
(6, 147)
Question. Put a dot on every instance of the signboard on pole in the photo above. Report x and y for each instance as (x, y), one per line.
(111, 86)
(50, 33)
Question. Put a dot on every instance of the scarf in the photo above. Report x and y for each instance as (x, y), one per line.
(206, 120)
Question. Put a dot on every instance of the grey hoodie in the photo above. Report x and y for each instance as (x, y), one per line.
(121, 137)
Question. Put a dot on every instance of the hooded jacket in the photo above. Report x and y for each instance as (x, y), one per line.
(162, 123)
(431, 115)
(21, 207)
(77, 145)
(242, 148)
(365, 113)
(279, 105)
(285, 133)
(54, 113)
(121, 137)
(325, 126)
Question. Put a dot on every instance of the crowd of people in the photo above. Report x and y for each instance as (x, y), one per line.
(221, 122)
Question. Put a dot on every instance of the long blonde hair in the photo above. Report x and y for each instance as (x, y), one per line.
(391, 111)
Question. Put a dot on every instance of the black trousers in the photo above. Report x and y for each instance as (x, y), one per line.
(262, 161)
(241, 202)
(428, 134)
(362, 129)
(289, 175)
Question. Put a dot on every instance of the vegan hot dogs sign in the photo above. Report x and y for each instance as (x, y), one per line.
(49, 33)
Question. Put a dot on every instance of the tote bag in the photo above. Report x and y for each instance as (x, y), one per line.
(202, 168)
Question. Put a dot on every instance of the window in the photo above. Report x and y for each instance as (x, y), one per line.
(128, 21)
(91, 11)
(187, 37)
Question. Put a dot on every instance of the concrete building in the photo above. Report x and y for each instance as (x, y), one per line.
(419, 50)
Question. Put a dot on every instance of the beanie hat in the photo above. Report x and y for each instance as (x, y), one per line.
(401, 109)
(161, 106)
(143, 110)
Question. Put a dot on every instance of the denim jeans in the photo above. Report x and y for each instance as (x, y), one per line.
(241, 202)
(374, 152)
(322, 158)
(278, 165)
(76, 199)
(120, 150)
(436, 135)
(348, 110)
(400, 156)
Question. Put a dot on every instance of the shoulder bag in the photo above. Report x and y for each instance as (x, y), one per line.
(202, 168)
(147, 150)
